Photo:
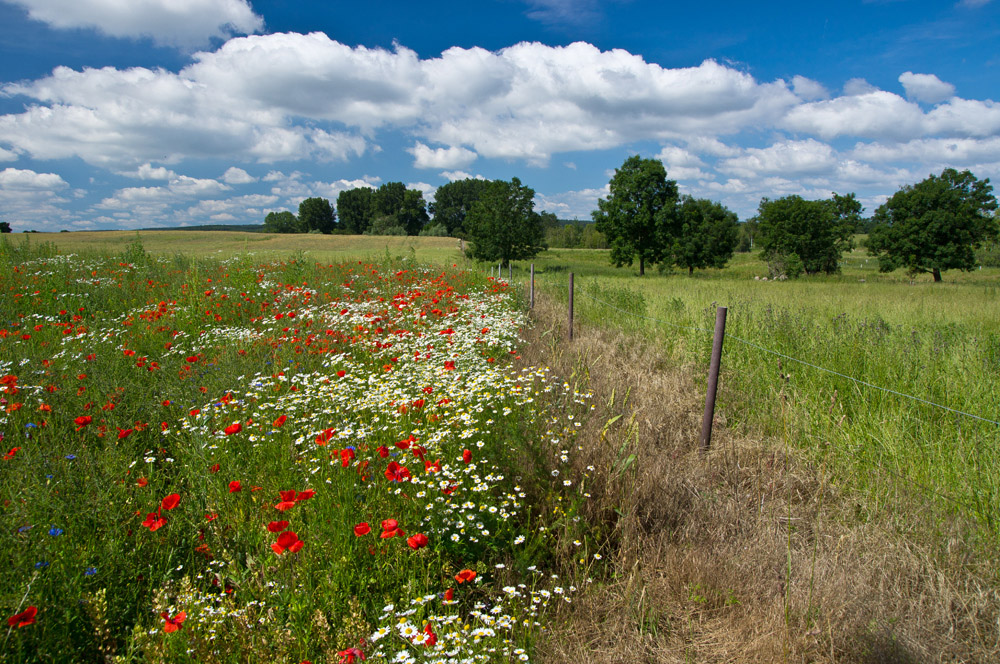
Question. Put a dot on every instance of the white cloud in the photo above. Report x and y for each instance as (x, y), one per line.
(682, 164)
(32, 200)
(785, 157)
(708, 145)
(874, 114)
(858, 86)
(234, 175)
(16, 179)
(452, 176)
(453, 157)
(7, 155)
(148, 172)
(957, 152)
(427, 190)
(185, 23)
(927, 88)
(571, 204)
(331, 190)
(808, 89)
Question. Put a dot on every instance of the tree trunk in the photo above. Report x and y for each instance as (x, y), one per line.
(642, 266)
(690, 270)
(937, 274)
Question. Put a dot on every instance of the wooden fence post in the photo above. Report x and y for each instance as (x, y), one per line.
(713, 379)
(532, 302)
(571, 306)
(510, 271)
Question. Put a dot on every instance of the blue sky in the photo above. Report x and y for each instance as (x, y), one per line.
(184, 112)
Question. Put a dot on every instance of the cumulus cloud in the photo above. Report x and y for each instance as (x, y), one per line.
(148, 172)
(7, 155)
(32, 199)
(871, 114)
(234, 175)
(571, 204)
(682, 164)
(858, 86)
(184, 23)
(927, 88)
(808, 89)
(452, 176)
(786, 157)
(453, 157)
(331, 190)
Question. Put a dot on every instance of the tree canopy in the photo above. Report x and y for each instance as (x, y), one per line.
(815, 233)
(5, 227)
(354, 207)
(282, 222)
(934, 225)
(639, 212)
(706, 235)
(503, 225)
(453, 201)
(316, 214)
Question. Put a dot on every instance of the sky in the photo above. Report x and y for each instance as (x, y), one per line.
(162, 113)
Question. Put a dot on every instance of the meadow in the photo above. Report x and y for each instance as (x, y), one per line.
(257, 459)
(829, 483)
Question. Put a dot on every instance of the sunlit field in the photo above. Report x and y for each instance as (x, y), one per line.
(210, 459)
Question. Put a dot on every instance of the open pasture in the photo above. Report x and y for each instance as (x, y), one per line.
(206, 460)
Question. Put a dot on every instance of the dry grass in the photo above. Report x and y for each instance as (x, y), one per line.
(748, 554)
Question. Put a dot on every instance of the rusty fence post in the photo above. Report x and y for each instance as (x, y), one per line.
(571, 306)
(713, 379)
(532, 290)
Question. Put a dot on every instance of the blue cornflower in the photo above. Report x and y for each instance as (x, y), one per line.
(41, 564)
(55, 532)
(90, 571)
(24, 529)
(71, 457)
(30, 425)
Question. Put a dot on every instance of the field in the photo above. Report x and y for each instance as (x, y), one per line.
(835, 519)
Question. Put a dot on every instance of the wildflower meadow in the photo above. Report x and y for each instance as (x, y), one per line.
(254, 459)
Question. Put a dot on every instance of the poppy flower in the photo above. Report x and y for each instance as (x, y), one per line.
(345, 457)
(432, 638)
(142, 481)
(324, 438)
(214, 469)
(24, 618)
(417, 541)
(170, 502)
(154, 521)
(449, 595)
(466, 456)
(449, 365)
(383, 451)
(341, 373)
(277, 526)
(173, 624)
(235, 486)
(287, 541)
(397, 473)
(83, 421)
(351, 655)
(305, 495)
(465, 575)
(281, 420)
(124, 433)
(362, 529)
(235, 427)
(390, 524)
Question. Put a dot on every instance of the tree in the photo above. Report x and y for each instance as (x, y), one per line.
(934, 225)
(413, 214)
(638, 215)
(393, 205)
(813, 232)
(5, 227)
(355, 209)
(707, 235)
(453, 201)
(282, 222)
(503, 225)
(316, 214)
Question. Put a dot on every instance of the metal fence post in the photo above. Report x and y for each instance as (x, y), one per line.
(713, 379)
(571, 306)
(532, 304)
(510, 271)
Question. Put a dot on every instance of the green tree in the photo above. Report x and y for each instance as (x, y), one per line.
(453, 201)
(282, 222)
(393, 205)
(355, 209)
(934, 225)
(413, 214)
(638, 215)
(503, 225)
(707, 235)
(813, 232)
(316, 214)
(5, 227)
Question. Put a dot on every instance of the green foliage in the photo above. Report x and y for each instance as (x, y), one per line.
(435, 230)
(355, 208)
(453, 201)
(638, 214)
(934, 225)
(707, 234)
(398, 206)
(316, 214)
(385, 225)
(575, 235)
(5, 227)
(503, 225)
(747, 235)
(282, 222)
(817, 232)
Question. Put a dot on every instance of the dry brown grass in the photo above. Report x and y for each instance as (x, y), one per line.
(748, 554)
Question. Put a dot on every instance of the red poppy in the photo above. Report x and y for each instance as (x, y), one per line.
(432, 638)
(466, 456)
(305, 495)
(235, 486)
(83, 420)
(396, 472)
(214, 469)
(281, 420)
(124, 433)
(324, 438)
(170, 502)
(390, 524)
(211, 516)
(417, 541)
(192, 359)
(362, 529)
(142, 481)
(24, 618)
(154, 521)
(449, 595)
(173, 624)
(345, 457)
(350, 656)
(287, 541)
(277, 526)
(465, 575)
(341, 373)
(449, 365)
(11, 453)
(383, 451)
(235, 427)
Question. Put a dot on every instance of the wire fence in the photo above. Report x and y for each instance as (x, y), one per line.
(910, 482)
